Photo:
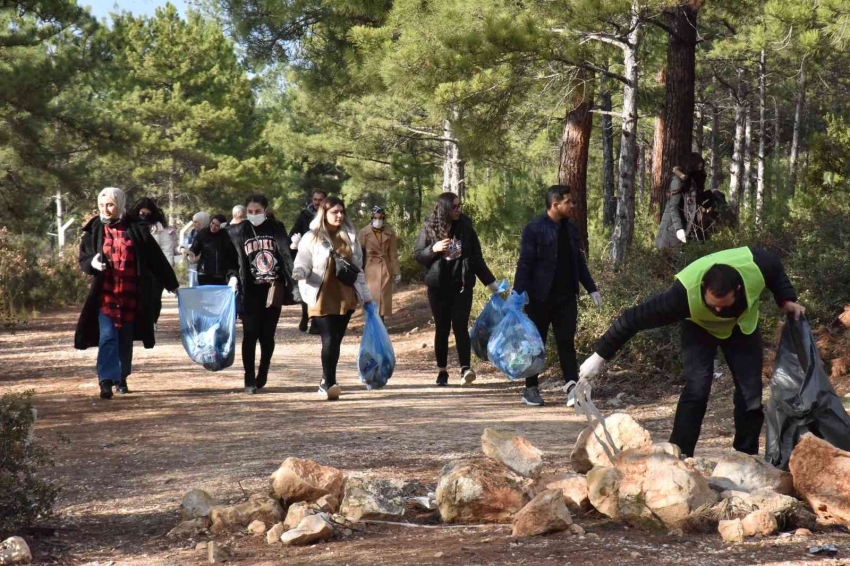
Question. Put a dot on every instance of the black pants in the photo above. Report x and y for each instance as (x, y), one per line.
(211, 279)
(304, 317)
(561, 311)
(332, 330)
(258, 324)
(743, 354)
(451, 309)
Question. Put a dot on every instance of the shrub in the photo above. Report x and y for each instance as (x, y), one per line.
(24, 497)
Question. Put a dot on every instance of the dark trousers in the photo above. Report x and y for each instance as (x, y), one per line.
(743, 354)
(560, 311)
(114, 350)
(258, 324)
(332, 330)
(451, 309)
(304, 317)
(211, 279)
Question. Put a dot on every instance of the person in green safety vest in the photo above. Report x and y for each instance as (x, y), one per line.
(716, 300)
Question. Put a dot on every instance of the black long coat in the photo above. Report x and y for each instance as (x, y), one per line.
(150, 265)
(685, 192)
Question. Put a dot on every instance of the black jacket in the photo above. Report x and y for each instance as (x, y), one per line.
(686, 190)
(150, 265)
(672, 305)
(538, 259)
(237, 260)
(302, 222)
(211, 248)
(460, 272)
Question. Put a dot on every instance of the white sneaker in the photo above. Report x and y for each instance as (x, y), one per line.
(331, 393)
(467, 377)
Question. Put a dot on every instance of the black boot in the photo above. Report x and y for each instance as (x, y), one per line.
(262, 376)
(106, 390)
(122, 387)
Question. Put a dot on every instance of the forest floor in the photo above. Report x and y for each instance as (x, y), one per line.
(125, 464)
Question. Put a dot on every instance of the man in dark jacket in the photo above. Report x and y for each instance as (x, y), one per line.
(301, 227)
(679, 221)
(208, 250)
(124, 260)
(551, 266)
(716, 299)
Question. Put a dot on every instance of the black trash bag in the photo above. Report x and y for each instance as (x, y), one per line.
(801, 397)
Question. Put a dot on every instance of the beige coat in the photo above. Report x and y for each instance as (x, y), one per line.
(381, 265)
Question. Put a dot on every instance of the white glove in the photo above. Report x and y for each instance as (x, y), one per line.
(397, 279)
(494, 287)
(591, 367)
(597, 298)
(97, 264)
(681, 235)
(232, 283)
(295, 239)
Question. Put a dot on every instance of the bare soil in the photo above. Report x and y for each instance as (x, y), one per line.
(125, 464)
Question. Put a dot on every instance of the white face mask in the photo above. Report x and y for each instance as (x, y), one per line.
(377, 224)
(257, 219)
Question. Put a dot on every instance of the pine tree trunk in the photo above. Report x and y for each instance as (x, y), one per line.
(575, 146)
(609, 202)
(737, 165)
(171, 176)
(777, 156)
(624, 223)
(658, 189)
(798, 123)
(760, 178)
(679, 98)
(715, 155)
(746, 180)
(454, 180)
(642, 172)
(699, 133)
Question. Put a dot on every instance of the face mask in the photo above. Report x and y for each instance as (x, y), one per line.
(257, 219)
(144, 217)
(377, 224)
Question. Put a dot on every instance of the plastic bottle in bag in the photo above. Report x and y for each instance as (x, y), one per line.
(515, 348)
(376, 357)
(208, 325)
(490, 317)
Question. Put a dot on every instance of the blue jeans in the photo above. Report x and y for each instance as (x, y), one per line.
(115, 350)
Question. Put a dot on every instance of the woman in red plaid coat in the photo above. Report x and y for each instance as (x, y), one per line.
(123, 259)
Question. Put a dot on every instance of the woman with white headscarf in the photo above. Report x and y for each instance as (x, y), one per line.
(123, 259)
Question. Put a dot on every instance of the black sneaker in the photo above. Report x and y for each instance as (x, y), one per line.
(262, 378)
(443, 378)
(302, 326)
(122, 387)
(531, 396)
(106, 390)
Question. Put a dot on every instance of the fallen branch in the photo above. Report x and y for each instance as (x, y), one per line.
(414, 525)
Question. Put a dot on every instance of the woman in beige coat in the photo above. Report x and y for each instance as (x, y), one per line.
(380, 251)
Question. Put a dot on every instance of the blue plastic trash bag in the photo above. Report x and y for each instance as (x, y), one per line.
(515, 348)
(376, 358)
(490, 317)
(208, 325)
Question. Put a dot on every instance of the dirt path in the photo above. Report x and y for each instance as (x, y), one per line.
(126, 463)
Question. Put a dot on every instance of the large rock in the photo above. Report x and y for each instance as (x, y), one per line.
(546, 513)
(702, 465)
(374, 499)
(650, 488)
(761, 523)
(15, 550)
(306, 480)
(573, 486)
(625, 432)
(515, 452)
(237, 517)
(312, 529)
(750, 473)
(481, 491)
(822, 478)
(295, 514)
(197, 503)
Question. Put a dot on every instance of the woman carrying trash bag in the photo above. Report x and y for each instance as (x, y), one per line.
(208, 251)
(449, 250)
(261, 269)
(329, 275)
(380, 254)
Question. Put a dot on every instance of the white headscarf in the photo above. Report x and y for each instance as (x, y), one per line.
(203, 219)
(116, 197)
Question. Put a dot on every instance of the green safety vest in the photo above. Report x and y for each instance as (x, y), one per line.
(691, 278)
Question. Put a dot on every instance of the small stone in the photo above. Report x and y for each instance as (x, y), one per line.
(327, 503)
(15, 550)
(546, 513)
(635, 554)
(731, 530)
(577, 529)
(803, 533)
(237, 517)
(424, 345)
(438, 555)
(480, 491)
(761, 523)
(305, 480)
(273, 535)
(513, 451)
(257, 528)
(201, 546)
(347, 532)
(312, 529)
(196, 503)
(189, 528)
(215, 553)
(376, 499)
(574, 487)
(592, 535)
(296, 513)
(676, 533)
